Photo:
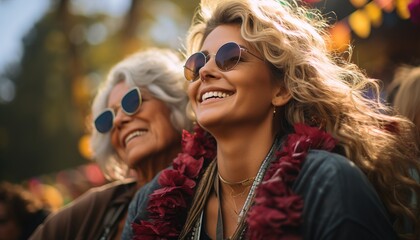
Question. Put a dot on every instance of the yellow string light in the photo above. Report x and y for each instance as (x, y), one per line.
(358, 3)
(340, 37)
(84, 147)
(402, 8)
(374, 13)
(360, 23)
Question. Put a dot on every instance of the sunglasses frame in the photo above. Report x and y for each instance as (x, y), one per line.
(220, 68)
(113, 110)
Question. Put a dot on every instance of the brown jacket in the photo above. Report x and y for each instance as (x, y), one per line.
(88, 216)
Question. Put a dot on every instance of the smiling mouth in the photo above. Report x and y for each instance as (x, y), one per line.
(214, 94)
(134, 134)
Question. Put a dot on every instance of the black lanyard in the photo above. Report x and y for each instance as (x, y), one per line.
(111, 221)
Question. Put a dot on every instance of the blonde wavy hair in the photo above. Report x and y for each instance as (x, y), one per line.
(327, 91)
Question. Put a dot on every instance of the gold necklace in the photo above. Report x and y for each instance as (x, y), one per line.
(244, 183)
(233, 198)
(247, 182)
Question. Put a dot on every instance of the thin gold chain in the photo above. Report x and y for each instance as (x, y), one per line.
(245, 183)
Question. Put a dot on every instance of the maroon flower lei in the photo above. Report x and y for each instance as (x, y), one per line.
(282, 208)
(168, 206)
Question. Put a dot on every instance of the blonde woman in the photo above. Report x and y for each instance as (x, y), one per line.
(289, 147)
(407, 98)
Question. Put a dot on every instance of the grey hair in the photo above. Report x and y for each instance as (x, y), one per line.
(159, 71)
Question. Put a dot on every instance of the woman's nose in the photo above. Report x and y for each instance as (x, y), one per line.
(209, 70)
(121, 117)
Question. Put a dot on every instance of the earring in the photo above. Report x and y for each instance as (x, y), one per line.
(274, 111)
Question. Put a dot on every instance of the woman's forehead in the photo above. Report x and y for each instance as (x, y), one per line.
(221, 35)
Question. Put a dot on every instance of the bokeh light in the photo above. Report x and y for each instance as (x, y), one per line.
(358, 3)
(340, 37)
(374, 13)
(360, 23)
(402, 8)
(7, 90)
(84, 147)
(386, 5)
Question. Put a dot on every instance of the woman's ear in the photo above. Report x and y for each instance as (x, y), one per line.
(281, 97)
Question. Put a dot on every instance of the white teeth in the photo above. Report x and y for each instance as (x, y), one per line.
(133, 135)
(208, 95)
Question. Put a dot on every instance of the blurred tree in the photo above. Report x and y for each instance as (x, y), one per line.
(42, 124)
(66, 56)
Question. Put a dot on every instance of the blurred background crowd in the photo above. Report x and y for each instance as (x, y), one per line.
(55, 53)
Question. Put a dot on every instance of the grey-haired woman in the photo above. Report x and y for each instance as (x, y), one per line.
(139, 113)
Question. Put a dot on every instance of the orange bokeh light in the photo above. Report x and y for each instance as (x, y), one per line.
(340, 37)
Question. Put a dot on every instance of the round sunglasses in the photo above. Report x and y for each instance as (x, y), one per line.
(130, 103)
(227, 57)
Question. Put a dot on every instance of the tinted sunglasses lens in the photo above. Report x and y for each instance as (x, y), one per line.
(103, 122)
(131, 101)
(228, 55)
(193, 65)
